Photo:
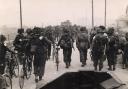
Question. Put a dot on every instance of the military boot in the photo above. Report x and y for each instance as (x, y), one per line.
(36, 78)
(114, 67)
(67, 65)
(100, 68)
(110, 67)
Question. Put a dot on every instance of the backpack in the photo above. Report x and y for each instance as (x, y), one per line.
(83, 42)
(99, 43)
(66, 42)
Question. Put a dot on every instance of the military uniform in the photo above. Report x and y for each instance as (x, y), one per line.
(19, 46)
(111, 51)
(49, 35)
(98, 49)
(40, 55)
(66, 43)
(125, 52)
(82, 43)
(3, 50)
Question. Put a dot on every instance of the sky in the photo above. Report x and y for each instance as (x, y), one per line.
(52, 12)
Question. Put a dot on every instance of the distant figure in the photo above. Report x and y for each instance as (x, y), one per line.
(66, 43)
(82, 43)
(49, 35)
(3, 50)
(125, 52)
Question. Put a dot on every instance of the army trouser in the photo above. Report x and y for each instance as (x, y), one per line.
(112, 58)
(83, 55)
(125, 60)
(39, 64)
(98, 59)
(67, 56)
(2, 80)
(49, 51)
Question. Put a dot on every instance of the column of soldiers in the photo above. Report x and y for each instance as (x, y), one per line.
(103, 44)
(36, 44)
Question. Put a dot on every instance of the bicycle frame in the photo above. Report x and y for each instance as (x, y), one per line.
(57, 57)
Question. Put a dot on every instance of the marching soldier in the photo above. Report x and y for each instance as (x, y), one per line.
(19, 44)
(66, 43)
(3, 50)
(125, 52)
(112, 49)
(98, 48)
(39, 49)
(82, 43)
(28, 54)
(49, 35)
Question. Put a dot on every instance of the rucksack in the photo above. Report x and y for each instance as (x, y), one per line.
(99, 43)
(83, 41)
(66, 42)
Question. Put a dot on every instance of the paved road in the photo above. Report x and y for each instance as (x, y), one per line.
(51, 73)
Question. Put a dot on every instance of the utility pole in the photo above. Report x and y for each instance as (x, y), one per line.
(105, 13)
(92, 14)
(21, 25)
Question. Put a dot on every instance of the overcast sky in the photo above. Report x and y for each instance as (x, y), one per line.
(46, 12)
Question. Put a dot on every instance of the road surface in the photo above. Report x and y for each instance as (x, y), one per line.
(51, 73)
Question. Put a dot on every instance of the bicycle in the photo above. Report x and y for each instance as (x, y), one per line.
(12, 66)
(57, 57)
(6, 80)
(53, 52)
(25, 70)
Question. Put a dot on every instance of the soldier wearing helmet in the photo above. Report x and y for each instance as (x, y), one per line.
(3, 50)
(82, 43)
(66, 43)
(125, 51)
(98, 48)
(19, 43)
(112, 49)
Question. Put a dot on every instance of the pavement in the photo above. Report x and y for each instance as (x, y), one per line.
(50, 72)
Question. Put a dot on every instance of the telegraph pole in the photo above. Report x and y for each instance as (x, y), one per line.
(105, 13)
(92, 14)
(21, 25)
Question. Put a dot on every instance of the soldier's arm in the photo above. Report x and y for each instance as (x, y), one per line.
(47, 40)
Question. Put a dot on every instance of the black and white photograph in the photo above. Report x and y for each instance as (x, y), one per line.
(63, 44)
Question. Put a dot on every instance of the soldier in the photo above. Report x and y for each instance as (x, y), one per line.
(28, 54)
(98, 48)
(125, 52)
(92, 34)
(66, 43)
(39, 49)
(82, 43)
(19, 44)
(49, 35)
(112, 49)
(3, 50)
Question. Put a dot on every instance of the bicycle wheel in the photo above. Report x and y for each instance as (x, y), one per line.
(8, 81)
(16, 67)
(21, 79)
(28, 68)
(57, 61)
